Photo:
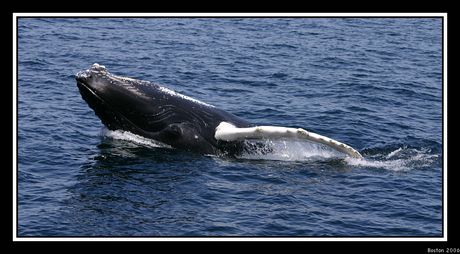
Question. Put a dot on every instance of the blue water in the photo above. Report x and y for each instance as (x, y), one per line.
(374, 84)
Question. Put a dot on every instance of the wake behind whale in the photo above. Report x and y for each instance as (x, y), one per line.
(157, 113)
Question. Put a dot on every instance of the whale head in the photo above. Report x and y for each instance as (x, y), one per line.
(121, 103)
(150, 110)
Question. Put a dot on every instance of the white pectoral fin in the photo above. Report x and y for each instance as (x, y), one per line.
(229, 132)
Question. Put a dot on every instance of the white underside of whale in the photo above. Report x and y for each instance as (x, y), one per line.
(228, 132)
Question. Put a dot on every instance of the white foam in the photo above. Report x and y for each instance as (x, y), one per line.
(401, 159)
(392, 165)
(128, 136)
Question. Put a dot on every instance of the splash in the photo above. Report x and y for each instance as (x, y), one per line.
(292, 150)
(283, 150)
(401, 159)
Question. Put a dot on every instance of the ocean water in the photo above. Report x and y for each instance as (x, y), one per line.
(372, 83)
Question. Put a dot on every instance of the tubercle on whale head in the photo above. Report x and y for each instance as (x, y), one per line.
(97, 67)
(94, 69)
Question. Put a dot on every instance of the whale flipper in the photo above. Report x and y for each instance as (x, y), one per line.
(228, 132)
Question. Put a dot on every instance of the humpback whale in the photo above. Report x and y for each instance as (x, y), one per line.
(155, 112)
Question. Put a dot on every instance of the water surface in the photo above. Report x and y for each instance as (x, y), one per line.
(375, 84)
